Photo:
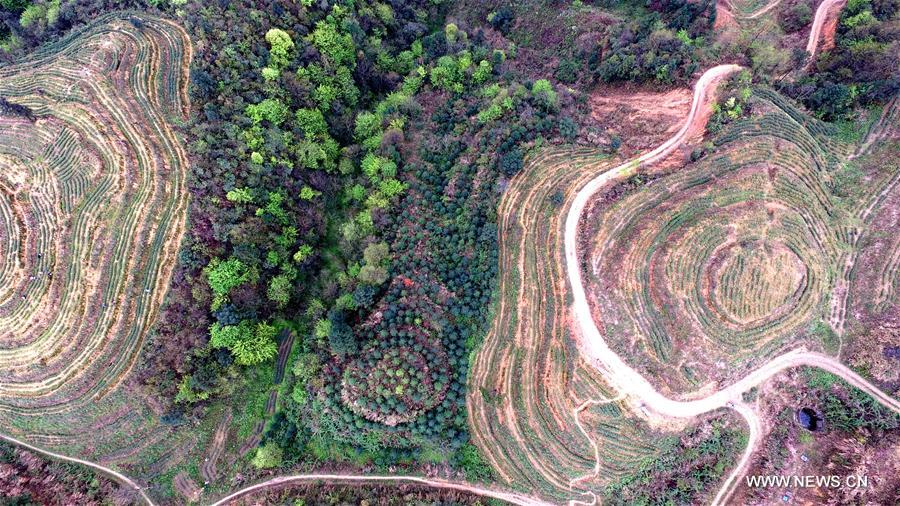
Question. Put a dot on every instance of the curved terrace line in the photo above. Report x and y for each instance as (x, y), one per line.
(594, 347)
(622, 377)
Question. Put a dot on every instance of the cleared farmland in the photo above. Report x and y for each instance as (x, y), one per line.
(529, 388)
(703, 273)
(92, 209)
(735, 257)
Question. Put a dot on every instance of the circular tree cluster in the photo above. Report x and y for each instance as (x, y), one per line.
(408, 382)
(395, 383)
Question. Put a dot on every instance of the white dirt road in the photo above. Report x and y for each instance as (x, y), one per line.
(753, 15)
(111, 473)
(510, 497)
(826, 8)
(629, 382)
(594, 347)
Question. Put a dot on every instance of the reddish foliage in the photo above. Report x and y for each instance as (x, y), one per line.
(25, 475)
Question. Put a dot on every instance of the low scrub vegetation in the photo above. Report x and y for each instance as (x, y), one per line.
(684, 471)
(27, 478)
(363, 176)
(861, 68)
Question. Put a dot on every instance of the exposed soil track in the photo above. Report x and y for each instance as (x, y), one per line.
(186, 487)
(592, 345)
(510, 497)
(824, 26)
(733, 11)
(208, 469)
(112, 473)
(615, 372)
(622, 377)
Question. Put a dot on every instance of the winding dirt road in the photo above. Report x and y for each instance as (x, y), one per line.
(628, 382)
(620, 375)
(734, 11)
(625, 380)
(510, 497)
(112, 473)
(828, 9)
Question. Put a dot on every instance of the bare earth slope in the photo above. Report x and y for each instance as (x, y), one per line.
(624, 379)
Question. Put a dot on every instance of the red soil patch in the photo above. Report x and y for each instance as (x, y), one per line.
(725, 21)
(641, 118)
(829, 30)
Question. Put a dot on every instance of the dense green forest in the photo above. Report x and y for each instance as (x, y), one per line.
(347, 161)
(861, 69)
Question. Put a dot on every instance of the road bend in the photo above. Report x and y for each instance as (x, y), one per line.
(629, 382)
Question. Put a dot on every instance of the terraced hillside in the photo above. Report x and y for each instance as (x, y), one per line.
(871, 308)
(538, 412)
(702, 274)
(92, 208)
(736, 257)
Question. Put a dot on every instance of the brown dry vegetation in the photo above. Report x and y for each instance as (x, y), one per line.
(700, 275)
(543, 418)
(769, 33)
(32, 479)
(871, 311)
(527, 380)
(186, 487)
(863, 452)
(641, 119)
(539, 413)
